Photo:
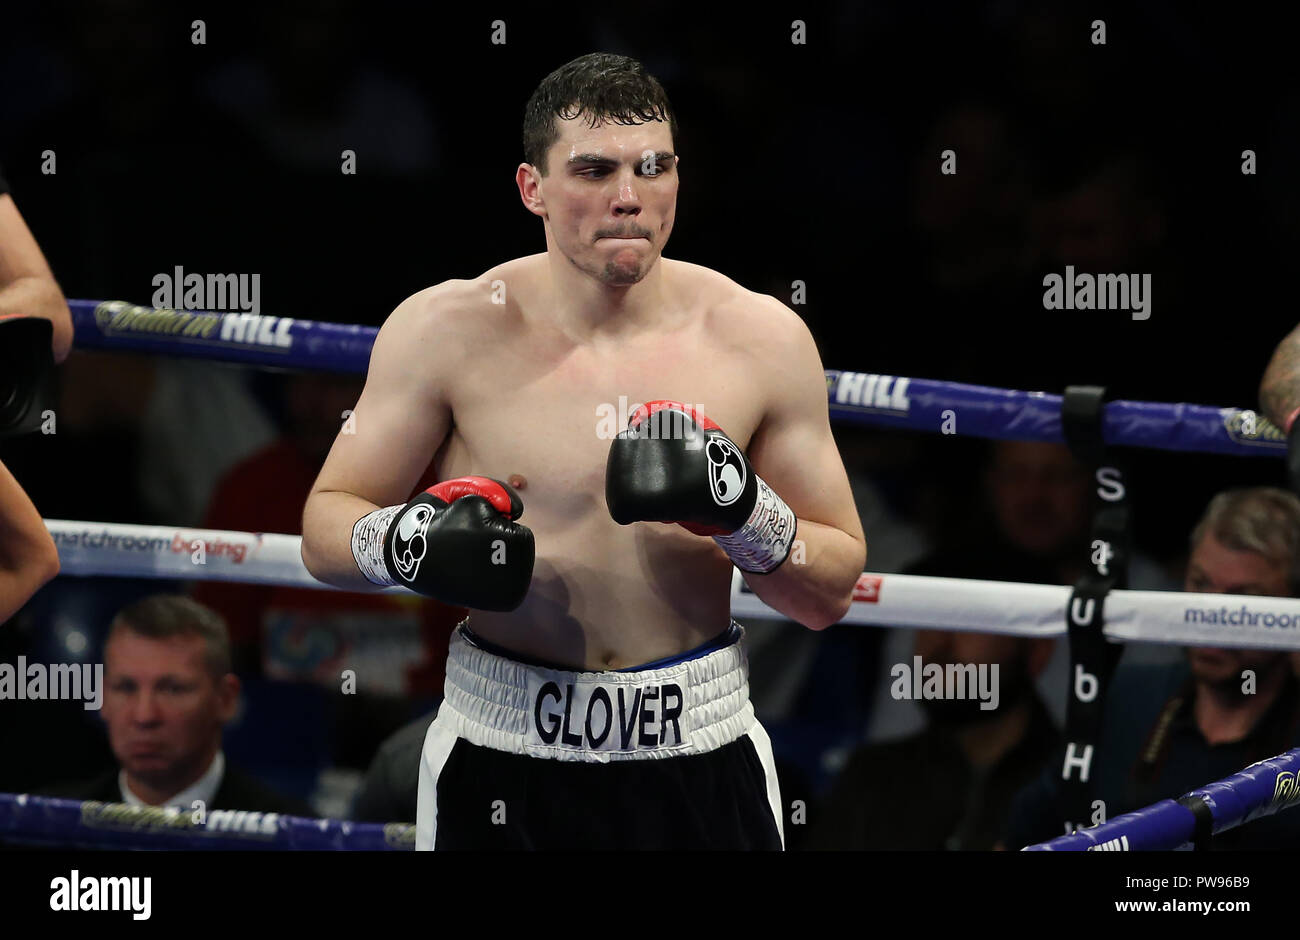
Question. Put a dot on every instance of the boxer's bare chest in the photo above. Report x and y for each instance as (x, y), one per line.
(546, 408)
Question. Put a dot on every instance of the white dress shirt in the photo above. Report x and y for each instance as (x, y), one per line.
(205, 788)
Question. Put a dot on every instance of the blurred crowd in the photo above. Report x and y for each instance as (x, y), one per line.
(823, 166)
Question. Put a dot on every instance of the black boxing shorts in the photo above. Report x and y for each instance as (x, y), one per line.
(667, 755)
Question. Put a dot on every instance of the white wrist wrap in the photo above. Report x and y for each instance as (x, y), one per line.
(762, 543)
(368, 544)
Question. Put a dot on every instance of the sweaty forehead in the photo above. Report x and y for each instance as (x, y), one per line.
(610, 139)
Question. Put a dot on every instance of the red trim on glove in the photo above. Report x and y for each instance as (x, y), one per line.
(1290, 420)
(701, 529)
(650, 407)
(496, 493)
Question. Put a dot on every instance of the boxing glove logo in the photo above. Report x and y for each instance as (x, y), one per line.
(726, 471)
(409, 544)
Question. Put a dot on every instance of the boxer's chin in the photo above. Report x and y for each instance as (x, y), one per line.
(623, 273)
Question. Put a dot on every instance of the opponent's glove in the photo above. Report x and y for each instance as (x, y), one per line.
(673, 464)
(457, 542)
(26, 373)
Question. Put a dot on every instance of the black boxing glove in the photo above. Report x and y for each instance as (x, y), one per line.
(673, 464)
(26, 373)
(457, 542)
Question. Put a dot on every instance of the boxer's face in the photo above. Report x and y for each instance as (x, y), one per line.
(610, 196)
(164, 708)
(1216, 569)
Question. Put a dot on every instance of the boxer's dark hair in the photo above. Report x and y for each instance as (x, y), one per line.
(160, 616)
(600, 86)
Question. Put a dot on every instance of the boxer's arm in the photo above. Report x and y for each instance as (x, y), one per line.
(400, 421)
(28, 558)
(27, 285)
(794, 452)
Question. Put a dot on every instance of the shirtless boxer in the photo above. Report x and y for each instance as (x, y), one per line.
(609, 708)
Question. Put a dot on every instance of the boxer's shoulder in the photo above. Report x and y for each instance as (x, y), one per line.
(440, 307)
(503, 284)
(738, 316)
(465, 307)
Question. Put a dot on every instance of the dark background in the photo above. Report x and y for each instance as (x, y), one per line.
(816, 163)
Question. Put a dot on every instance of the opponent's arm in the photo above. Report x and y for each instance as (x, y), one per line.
(399, 422)
(1279, 390)
(796, 455)
(27, 285)
(28, 558)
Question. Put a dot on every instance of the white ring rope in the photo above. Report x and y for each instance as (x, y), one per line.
(1035, 610)
(88, 549)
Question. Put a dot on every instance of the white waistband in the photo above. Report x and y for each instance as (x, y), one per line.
(690, 707)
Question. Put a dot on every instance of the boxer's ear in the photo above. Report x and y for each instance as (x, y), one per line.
(529, 180)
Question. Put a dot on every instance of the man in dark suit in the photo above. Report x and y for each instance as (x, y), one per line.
(950, 785)
(388, 792)
(168, 692)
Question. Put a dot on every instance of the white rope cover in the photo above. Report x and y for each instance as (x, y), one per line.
(88, 549)
(891, 600)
